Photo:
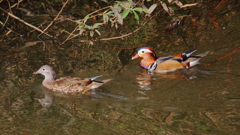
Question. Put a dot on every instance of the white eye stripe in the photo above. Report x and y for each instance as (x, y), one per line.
(144, 51)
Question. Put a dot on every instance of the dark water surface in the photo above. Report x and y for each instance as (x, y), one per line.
(204, 102)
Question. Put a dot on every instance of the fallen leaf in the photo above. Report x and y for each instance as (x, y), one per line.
(167, 9)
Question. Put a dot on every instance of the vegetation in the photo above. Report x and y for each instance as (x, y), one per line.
(88, 20)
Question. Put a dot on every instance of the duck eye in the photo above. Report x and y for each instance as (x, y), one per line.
(43, 69)
(142, 51)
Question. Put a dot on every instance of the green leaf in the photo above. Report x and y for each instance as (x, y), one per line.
(98, 32)
(78, 21)
(80, 27)
(109, 13)
(119, 2)
(126, 4)
(88, 27)
(125, 13)
(105, 12)
(42, 4)
(85, 19)
(136, 16)
(139, 9)
(96, 25)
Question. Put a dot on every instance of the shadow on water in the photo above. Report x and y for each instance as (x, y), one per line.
(135, 102)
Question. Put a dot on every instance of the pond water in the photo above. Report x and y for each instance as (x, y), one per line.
(206, 101)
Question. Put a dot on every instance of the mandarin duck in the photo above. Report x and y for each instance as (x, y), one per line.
(151, 62)
(68, 84)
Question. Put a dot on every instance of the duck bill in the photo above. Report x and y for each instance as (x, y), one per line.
(136, 56)
(37, 72)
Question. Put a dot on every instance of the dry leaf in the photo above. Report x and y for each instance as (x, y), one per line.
(179, 4)
(117, 14)
(175, 22)
(27, 44)
(169, 118)
(151, 9)
(167, 9)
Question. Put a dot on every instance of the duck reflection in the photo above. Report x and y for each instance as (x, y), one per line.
(145, 78)
(47, 101)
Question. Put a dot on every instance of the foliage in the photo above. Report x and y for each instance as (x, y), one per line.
(113, 15)
(90, 23)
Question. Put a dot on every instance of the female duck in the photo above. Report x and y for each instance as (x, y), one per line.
(68, 84)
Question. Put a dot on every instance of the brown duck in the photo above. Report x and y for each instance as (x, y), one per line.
(68, 84)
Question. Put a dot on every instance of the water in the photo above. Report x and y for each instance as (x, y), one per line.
(206, 102)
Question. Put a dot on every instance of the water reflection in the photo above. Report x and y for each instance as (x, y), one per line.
(145, 78)
(47, 101)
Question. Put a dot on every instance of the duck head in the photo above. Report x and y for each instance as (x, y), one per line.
(145, 52)
(47, 71)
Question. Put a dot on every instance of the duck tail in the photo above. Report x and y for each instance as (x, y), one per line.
(203, 54)
(96, 84)
(95, 77)
(194, 60)
(181, 57)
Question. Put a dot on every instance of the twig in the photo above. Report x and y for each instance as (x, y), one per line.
(228, 70)
(220, 4)
(104, 39)
(9, 30)
(68, 38)
(30, 25)
(98, 10)
(16, 4)
(229, 54)
(56, 16)
(7, 16)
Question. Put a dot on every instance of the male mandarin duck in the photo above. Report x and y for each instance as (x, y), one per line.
(68, 84)
(166, 64)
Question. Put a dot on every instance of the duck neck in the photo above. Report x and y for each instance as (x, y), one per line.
(148, 60)
(49, 78)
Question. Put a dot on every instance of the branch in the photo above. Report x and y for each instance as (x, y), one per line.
(98, 10)
(103, 39)
(30, 25)
(56, 16)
